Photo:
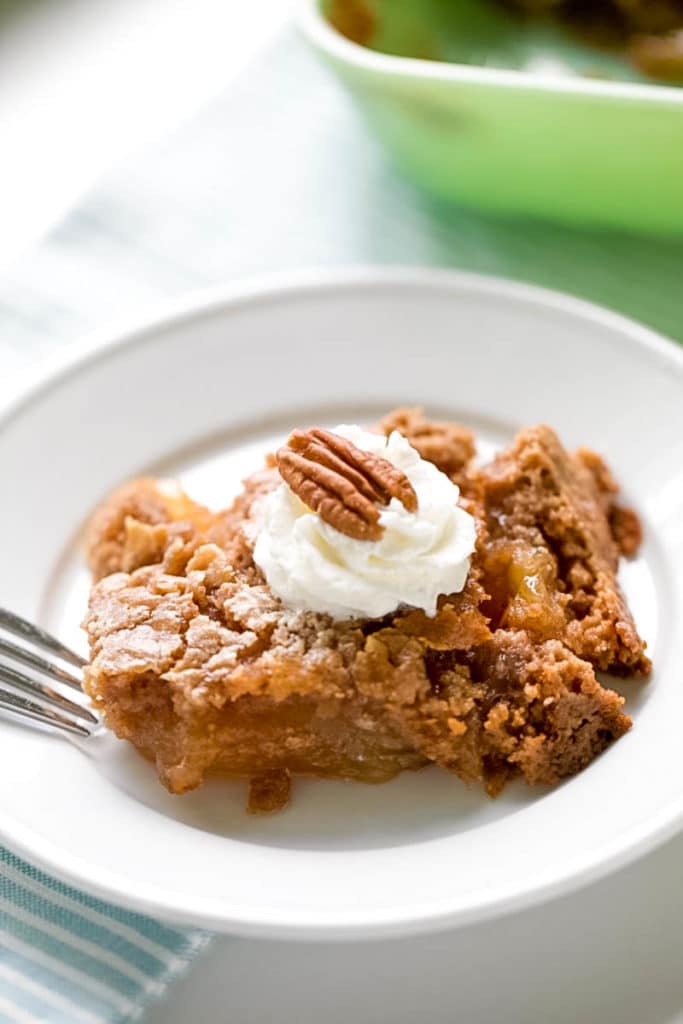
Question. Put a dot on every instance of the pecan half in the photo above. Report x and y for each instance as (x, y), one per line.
(345, 485)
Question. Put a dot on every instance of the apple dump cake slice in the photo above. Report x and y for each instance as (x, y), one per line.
(370, 603)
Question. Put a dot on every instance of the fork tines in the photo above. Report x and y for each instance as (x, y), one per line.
(26, 694)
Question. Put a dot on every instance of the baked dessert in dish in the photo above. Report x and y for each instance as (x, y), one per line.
(371, 602)
(650, 32)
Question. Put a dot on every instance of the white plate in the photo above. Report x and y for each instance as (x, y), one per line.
(201, 392)
(608, 954)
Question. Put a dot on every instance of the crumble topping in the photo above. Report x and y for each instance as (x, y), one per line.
(199, 665)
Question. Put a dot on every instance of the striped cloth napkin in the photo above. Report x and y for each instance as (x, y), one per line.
(68, 958)
(277, 174)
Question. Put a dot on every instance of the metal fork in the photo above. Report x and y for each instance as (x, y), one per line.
(35, 692)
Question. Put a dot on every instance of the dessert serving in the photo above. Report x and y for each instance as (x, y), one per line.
(374, 601)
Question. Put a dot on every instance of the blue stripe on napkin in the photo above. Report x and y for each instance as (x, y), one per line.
(68, 958)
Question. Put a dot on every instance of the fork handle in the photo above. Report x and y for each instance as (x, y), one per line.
(35, 635)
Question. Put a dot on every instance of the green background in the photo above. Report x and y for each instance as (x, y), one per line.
(282, 173)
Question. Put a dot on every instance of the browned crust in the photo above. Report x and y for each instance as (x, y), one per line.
(561, 506)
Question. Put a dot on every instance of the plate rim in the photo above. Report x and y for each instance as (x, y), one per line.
(37, 382)
(31, 383)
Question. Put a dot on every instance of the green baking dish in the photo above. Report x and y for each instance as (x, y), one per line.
(562, 131)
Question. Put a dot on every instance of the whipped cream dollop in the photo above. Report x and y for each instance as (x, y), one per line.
(310, 565)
